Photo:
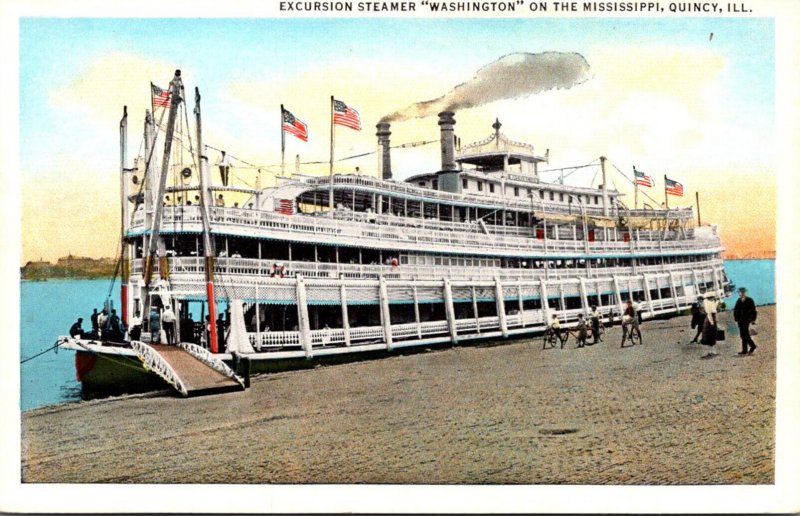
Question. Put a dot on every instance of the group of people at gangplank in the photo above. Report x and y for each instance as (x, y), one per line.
(106, 325)
(109, 327)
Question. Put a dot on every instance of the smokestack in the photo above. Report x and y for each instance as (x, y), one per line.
(446, 123)
(385, 155)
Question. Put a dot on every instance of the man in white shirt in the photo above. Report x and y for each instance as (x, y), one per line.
(168, 322)
(102, 319)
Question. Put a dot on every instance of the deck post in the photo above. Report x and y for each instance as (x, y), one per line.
(258, 321)
(646, 282)
(449, 310)
(386, 321)
(716, 278)
(695, 285)
(521, 307)
(416, 310)
(618, 293)
(302, 317)
(501, 306)
(674, 290)
(475, 310)
(345, 316)
(584, 297)
(545, 301)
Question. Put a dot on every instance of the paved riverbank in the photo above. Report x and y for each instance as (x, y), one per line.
(650, 414)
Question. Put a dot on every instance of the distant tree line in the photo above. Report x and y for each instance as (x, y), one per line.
(69, 267)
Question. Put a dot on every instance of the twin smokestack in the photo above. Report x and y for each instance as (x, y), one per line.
(446, 139)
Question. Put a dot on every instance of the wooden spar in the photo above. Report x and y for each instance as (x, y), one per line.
(148, 188)
(176, 88)
(208, 249)
(124, 213)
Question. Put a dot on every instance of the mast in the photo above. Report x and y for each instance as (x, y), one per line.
(148, 187)
(635, 190)
(176, 88)
(208, 250)
(124, 210)
(666, 197)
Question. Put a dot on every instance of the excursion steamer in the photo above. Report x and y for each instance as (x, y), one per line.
(313, 266)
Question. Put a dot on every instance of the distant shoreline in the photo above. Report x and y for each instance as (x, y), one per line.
(750, 258)
(62, 278)
(69, 267)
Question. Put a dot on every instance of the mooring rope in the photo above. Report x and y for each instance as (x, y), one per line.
(55, 346)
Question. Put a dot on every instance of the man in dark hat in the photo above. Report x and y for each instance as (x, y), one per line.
(75, 330)
(698, 316)
(745, 314)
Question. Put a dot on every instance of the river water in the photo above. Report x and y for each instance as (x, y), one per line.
(48, 309)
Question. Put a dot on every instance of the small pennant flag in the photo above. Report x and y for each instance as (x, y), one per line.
(345, 115)
(673, 187)
(160, 97)
(293, 125)
(643, 179)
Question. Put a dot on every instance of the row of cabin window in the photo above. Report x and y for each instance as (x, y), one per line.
(517, 263)
(465, 186)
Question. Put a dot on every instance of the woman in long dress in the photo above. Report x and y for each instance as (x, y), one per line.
(710, 306)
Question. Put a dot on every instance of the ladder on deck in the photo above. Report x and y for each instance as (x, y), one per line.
(190, 369)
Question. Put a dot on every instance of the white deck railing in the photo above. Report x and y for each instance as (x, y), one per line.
(356, 181)
(332, 231)
(534, 319)
(564, 231)
(262, 269)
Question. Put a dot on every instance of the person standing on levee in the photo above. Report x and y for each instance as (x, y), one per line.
(745, 314)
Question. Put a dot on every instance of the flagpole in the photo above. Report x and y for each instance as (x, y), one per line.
(152, 106)
(666, 197)
(635, 190)
(330, 173)
(283, 146)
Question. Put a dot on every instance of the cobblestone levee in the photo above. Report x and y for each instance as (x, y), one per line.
(649, 414)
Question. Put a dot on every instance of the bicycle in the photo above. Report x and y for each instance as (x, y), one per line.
(553, 337)
(628, 333)
(597, 336)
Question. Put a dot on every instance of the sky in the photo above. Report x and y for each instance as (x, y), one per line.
(663, 95)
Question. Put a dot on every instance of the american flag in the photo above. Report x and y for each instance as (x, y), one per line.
(673, 187)
(160, 97)
(284, 206)
(643, 179)
(293, 125)
(345, 115)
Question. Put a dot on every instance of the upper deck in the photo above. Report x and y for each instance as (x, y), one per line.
(354, 229)
(537, 196)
